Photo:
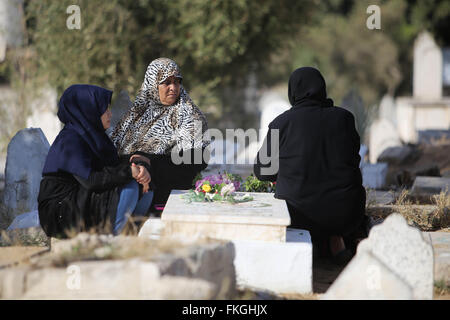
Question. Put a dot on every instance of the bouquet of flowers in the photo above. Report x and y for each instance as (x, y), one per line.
(217, 187)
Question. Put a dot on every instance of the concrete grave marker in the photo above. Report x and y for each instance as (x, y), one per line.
(268, 255)
(277, 267)
(374, 175)
(405, 251)
(367, 278)
(395, 262)
(430, 185)
(383, 135)
(120, 106)
(43, 106)
(27, 152)
(427, 81)
(265, 218)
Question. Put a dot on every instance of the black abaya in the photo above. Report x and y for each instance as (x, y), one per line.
(318, 175)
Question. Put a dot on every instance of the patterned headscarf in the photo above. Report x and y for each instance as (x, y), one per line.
(154, 128)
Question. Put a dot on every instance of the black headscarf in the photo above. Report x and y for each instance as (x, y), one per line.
(307, 88)
(82, 145)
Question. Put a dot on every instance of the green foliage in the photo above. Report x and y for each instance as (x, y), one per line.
(219, 43)
(253, 184)
(213, 41)
(432, 15)
(370, 62)
(350, 55)
(199, 176)
(99, 53)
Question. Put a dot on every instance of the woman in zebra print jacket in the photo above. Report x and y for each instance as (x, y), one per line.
(164, 120)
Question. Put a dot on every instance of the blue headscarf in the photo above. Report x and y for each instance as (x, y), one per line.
(82, 145)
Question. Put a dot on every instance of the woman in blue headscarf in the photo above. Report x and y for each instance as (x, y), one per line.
(85, 185)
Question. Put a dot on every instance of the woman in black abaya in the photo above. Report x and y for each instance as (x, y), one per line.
(318, 175)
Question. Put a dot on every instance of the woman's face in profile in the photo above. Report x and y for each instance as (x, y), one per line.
(169, 90)
(106, 118)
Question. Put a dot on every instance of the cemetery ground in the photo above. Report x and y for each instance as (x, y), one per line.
(429, 214)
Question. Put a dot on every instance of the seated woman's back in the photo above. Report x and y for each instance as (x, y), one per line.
(318, 148)
(318, 157)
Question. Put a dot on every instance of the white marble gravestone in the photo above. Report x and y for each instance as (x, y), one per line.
(265, 218)
(271, 105)
(383, 134)
(44, 108)
(268, 256)
(427, 82)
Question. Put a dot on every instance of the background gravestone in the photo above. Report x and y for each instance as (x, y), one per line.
(383, 135)
(11, 27)
(25, 160)
(44, 108)
(118, 108)
(387, 109)
(427, 82)
(271, 105)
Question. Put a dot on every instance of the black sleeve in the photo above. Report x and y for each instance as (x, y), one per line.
(354, 140)
(108, 178)
(266, 150)
(166, 174)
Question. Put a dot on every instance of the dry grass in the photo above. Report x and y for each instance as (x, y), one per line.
(371, 200)
(416, 216)
(4, 219)
(441, 217)
(441, 288)
(37, 237)
(404, 207)
(23, 238)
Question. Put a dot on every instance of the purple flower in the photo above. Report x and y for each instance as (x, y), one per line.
(216, 179)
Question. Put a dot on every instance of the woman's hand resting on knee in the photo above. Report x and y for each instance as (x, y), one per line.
(141, 175)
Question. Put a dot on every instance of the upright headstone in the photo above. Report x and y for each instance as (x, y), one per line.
(271, 105)
(387, 109)
(354, 103)
(43, 107)
(383, 135)
(119, 107)
(11, 27)
(26, 156)
(427, 82)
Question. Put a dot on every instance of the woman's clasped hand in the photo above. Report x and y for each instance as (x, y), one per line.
(141, 175)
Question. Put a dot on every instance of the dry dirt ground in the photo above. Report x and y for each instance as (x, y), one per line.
(9, 256)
